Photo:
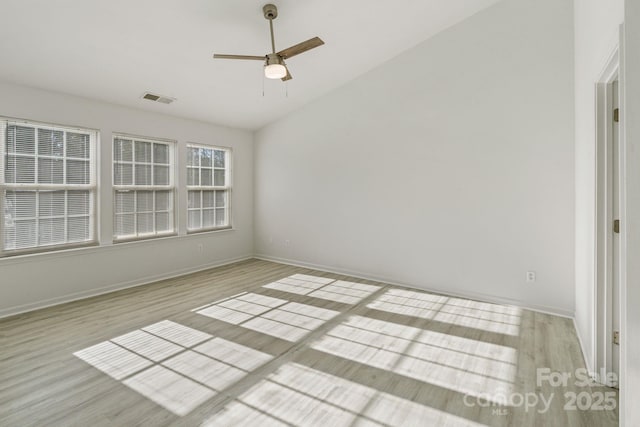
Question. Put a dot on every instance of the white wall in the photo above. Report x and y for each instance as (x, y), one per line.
(630, 363)
(28, 282)
(596, 37)
(450, 167)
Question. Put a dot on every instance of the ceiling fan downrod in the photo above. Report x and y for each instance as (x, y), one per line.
(270, 13)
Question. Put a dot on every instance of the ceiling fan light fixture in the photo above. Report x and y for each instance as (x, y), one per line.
(274, 67)
(275, 71)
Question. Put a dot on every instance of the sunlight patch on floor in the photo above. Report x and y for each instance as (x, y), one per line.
(480, 315)
(300, 284)
(240, 309)
(179, 367)
(177, 333)
(290, 321)
(464, 365)
(299, 395)
(345, 292)
(113, 360)
(170, 390)
(462, 312)
(233, 354)
(324, 288)
(409, 303)
(175, 366)
(148, 345)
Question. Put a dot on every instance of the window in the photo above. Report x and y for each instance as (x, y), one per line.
(48, 186)
(208, 188)
(143, 187)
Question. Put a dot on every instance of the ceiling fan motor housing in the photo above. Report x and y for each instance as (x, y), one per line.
(270, 11)
(274, 58)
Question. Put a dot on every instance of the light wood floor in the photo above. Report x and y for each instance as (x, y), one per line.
(259, 344)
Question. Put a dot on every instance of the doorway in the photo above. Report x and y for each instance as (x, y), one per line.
(615, 233)
(608, 249)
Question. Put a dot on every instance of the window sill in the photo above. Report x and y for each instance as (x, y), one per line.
(43, 250)
(209, 230)
(117, 241)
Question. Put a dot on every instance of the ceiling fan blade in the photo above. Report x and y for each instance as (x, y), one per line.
(287, 77)
(300, 48)
(248, 57)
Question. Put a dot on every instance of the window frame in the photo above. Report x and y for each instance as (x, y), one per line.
(92, 187)
(227, 187)
(171, 187)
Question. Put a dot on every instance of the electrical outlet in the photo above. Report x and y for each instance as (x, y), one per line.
(200, 247)
(531, 276)
(287, 243)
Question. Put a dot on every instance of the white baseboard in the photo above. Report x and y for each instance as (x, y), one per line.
(12, 311)
(587, 363)
(469, 295)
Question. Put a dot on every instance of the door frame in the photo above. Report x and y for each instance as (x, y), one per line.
(604, 217)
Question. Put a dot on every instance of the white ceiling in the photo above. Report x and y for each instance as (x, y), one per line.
(115, 50)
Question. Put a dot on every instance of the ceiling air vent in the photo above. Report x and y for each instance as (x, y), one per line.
(158, 98)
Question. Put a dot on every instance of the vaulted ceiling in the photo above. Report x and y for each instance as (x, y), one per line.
(116, 50)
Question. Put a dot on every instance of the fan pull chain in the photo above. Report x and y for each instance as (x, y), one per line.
(263, 77)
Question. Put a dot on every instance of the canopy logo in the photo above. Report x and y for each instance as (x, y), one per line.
(587, 400)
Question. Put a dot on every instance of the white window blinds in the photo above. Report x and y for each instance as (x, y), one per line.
(208, 187)
(144, 189)
(48, 186)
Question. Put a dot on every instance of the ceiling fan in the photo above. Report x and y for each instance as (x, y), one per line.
(275, 67)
